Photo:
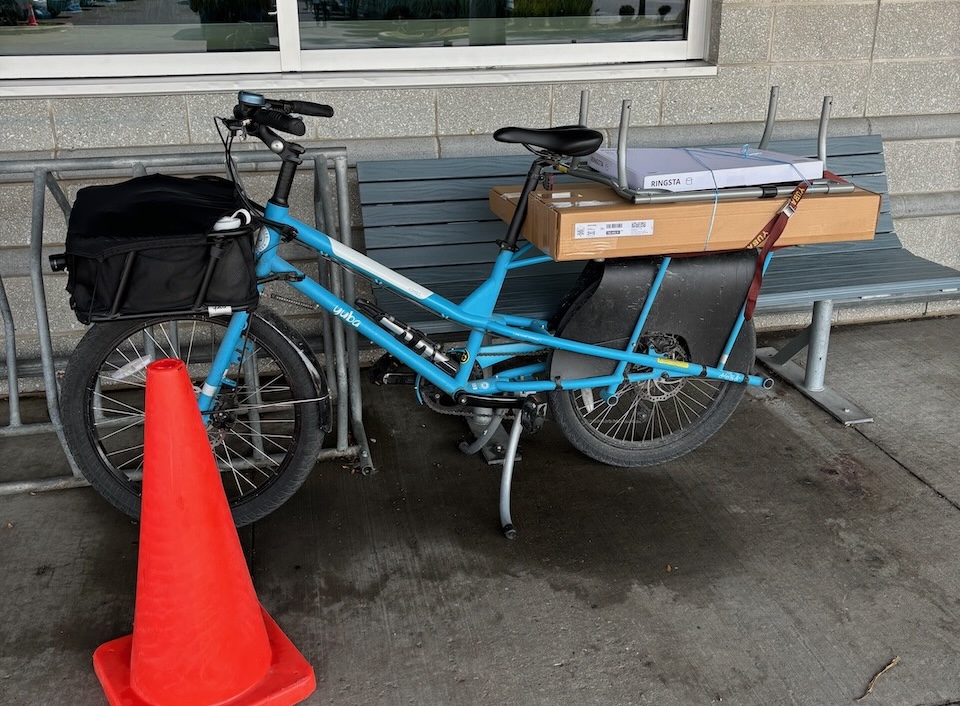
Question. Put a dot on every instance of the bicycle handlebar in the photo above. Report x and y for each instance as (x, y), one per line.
(277, 112)
(302, 107)
(281, 121)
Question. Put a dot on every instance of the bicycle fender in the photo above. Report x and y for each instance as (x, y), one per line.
(299, 343)
(699, 300)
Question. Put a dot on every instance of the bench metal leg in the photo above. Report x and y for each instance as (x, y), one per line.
(816, 339)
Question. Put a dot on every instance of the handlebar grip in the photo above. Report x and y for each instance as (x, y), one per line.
(280, 121)
(307, 108)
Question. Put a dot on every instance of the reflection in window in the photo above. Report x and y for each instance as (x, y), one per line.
(399, 23)
(236, 25)
(77, 27)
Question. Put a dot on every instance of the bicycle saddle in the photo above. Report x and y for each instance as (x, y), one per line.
(570, 140)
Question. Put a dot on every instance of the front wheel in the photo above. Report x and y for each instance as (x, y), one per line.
(265, 430)
(654, 421)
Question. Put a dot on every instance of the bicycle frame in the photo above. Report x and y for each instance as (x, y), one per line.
(476, 313)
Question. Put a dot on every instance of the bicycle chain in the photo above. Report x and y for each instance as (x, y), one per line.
(431, 394)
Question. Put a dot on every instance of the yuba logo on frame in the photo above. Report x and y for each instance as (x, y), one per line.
(347, 316)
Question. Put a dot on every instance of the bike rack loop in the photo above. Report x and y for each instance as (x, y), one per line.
(342, 361)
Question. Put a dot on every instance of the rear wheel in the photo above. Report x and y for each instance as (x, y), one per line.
(265, 431)
(654, 421)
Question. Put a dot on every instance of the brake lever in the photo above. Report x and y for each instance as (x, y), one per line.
(234, 126)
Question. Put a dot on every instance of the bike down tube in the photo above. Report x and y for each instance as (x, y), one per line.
(475, 313)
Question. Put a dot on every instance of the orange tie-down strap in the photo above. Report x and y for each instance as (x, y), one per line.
(767, 237)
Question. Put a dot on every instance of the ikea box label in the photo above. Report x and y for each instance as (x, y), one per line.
(613, 229)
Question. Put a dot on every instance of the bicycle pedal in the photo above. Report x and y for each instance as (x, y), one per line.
(403, 378)
(387, 371)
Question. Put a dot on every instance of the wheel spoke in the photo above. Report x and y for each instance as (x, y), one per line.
(655, 419)
(265, 430)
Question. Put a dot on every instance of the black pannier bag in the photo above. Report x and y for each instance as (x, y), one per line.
(147, 246)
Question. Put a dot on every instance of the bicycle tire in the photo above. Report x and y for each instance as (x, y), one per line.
(265, 446)
(652, 422)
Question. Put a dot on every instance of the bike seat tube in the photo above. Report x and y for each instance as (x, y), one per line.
(520, 215)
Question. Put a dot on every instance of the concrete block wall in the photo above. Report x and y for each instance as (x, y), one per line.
(892, 67)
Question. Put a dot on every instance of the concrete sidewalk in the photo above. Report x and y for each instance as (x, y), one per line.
(787, 561)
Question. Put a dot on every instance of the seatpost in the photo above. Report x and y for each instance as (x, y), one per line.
(520, 215)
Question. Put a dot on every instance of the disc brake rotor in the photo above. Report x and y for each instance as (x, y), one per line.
(670, 347)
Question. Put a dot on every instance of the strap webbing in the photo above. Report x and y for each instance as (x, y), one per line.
(765, 240)
(768, 236)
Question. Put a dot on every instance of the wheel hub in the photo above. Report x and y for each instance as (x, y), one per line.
(220, 422)
(670, 347)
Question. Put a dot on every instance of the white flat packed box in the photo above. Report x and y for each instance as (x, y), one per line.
(705, 168)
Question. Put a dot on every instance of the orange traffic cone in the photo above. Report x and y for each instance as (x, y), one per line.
(31, 18)
(200, 636)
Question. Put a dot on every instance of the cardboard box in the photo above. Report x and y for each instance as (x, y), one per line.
(587, 221)
(705, 168)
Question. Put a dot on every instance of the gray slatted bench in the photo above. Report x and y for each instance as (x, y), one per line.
(430, 220)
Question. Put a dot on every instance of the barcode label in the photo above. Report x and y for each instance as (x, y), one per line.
(612, 229)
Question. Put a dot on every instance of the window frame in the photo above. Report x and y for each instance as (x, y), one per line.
(385, 66)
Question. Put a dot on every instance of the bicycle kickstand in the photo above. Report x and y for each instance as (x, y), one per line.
(528, 418)
(506, 479)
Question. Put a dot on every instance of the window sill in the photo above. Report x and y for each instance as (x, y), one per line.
(65, 88)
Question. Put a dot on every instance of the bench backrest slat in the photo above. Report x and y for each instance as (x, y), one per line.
(458, 167)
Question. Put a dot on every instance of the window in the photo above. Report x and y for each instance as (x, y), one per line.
(105, 38)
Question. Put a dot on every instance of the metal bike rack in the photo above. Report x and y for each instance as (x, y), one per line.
(340, 354)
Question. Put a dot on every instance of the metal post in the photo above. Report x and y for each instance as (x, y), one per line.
(819, 343)
(622, 145)
(810, 380)
(584, 110)
(323, 271)
(771, 117)
(43, 322)
(353, 356)
(13, 401)
(339, 343)
(822, 129)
